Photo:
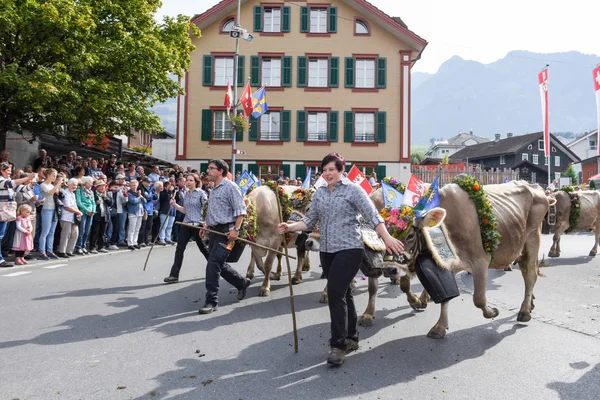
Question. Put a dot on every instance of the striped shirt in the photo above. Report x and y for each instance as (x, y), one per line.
(338, 213)
(225, 204)
(192, 203)
(7, 189)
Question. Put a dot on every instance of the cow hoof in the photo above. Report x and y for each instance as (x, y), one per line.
(274, 276)
(366, 320)
(250, 276)
(509, 268)
(553, 255)
(524, 316)
(323, 299)
(418, 305)
(296, 280)
(306, 268)
(592, 254)
(436, 333)
(264, 292)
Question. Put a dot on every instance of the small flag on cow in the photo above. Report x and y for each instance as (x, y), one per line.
(245, 182)
(246, 99)
(391, 197)
(228, 97)
(597, 89)
(259, 102)
(306, 183)
(359, 178)
(430, 200)
(414, 191)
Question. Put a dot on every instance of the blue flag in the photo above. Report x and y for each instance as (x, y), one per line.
(256, 180)
(506, 180)
(245, 182)
(430, 200)
(306, 183)
(259, 103)
(391, 196)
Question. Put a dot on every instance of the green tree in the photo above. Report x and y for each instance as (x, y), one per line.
(592, 185)
(570, 172)
(79, 67)
(417, 157)
(446, 160)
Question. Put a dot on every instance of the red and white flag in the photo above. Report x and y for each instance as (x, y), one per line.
(597, 88)
(359, 178)
(246, 100)
(228, 97)
(543, 81)
(414, 191)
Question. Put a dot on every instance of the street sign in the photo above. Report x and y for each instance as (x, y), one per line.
(235, 34)
(240, 152)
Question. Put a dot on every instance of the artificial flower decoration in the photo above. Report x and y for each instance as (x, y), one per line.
(395, 183)
(249, 227)
(284, 200)
(575, 207)
(301, 197)
(398, 220)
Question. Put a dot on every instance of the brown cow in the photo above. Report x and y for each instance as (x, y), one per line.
(589, 206)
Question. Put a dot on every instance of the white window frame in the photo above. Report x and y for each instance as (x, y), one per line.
(270, 70)
(533, 177)
(535, 159)
(317, 20)
(230, 22)
(223, 71)
(593, 143)
(557, 161)
(272, 19)
(318, 72)
(502, 160)
(541, 144)
(362, 25)
(364, 76)
(316, 129)
(554, 149)
(546, 160)
(270, 126)
(557, 176)
(225, 132)
(525, 156)
(530, 147)
(364, 127)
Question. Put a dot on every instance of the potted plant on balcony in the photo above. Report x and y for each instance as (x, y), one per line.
(239, 122)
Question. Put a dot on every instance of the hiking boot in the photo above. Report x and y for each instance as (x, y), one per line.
(171, 279)
(336, 356)
(351, 345)
(207, 309)
(242, 292)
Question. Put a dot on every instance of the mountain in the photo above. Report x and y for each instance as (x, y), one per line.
(503, 96)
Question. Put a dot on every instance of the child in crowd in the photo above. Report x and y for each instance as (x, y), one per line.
(23, 240)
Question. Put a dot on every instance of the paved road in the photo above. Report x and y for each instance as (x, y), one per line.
(100, 328)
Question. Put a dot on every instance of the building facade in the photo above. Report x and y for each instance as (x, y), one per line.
(337, 77)
(450, 146)
(585, 146)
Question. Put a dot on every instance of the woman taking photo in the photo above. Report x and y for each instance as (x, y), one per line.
(193, 200)
(135, 213)
(69, 220)
(7, 194)
(49, 188)
(336, 206)
(87, 205)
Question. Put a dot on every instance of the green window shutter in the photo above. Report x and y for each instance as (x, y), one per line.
(332, 20)
(286, 170)
(254, 71)
(238, 168)
(241, 79)
(333, 126)
(381, 73)
(300, 171)
(348, 167)
(253, 168)
(253, 131)
(285, 19)
(203, 167)
(286, 121)
(301, 126)
(334, 72)
(302, 72)
(207, 79)
(287, 71)
(381, 127)
(239, 136)
(349, 81)
(207, 118)
(258, 18)
(348, 126)
(304, 19)
(380, 171)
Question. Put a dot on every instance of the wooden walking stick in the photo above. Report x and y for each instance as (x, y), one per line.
(155, 239)
(289, 269)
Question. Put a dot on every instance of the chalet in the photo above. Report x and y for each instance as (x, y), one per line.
(450, 146)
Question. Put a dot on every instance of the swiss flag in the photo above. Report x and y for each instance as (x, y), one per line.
(597, 78)
(246, 100)
(228, 97)
(359, 178)
(414, 191)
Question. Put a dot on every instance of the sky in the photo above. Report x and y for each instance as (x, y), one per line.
(479, 30)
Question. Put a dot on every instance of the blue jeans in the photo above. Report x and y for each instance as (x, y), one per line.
(84, 230)
(3, 226)
(48, 228)
(38, 230)
(122, 221)
(165, 232)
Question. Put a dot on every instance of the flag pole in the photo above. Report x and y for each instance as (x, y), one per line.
(235, 87)
(549, 139)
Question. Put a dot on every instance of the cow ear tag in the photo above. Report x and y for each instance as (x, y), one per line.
(434, 217)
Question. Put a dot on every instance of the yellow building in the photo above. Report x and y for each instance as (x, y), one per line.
(337, 76)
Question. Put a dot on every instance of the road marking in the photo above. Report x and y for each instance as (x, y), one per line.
(55, 266)
(18, 273)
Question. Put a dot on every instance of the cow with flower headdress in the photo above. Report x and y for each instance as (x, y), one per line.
(575, 211)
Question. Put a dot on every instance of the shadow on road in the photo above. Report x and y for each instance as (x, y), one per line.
(564, 261)
(285, 375)
(586, 387)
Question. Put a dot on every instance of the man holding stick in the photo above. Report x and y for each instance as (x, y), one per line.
(226, 211)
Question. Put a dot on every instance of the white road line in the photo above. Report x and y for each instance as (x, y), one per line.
(18, 273)
(55, 266)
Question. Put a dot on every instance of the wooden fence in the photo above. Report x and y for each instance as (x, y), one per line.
(446, 174)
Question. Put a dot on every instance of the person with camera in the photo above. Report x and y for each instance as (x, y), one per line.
(69, 220)
(135, 213)
(100, 218)
(50, 212)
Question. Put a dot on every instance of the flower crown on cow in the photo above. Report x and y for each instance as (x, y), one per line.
(398, 220)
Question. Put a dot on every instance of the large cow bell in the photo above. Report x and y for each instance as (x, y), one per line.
(439, 283)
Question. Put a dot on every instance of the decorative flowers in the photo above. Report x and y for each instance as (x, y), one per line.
(398, 220)
(395, 183)
(301, 197)
(575, 208)
(284, 199)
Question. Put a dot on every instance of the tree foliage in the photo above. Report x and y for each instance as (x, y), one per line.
(446, 160)
(592, 185)
(88, 67)
(417, 157)
(570, 172)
